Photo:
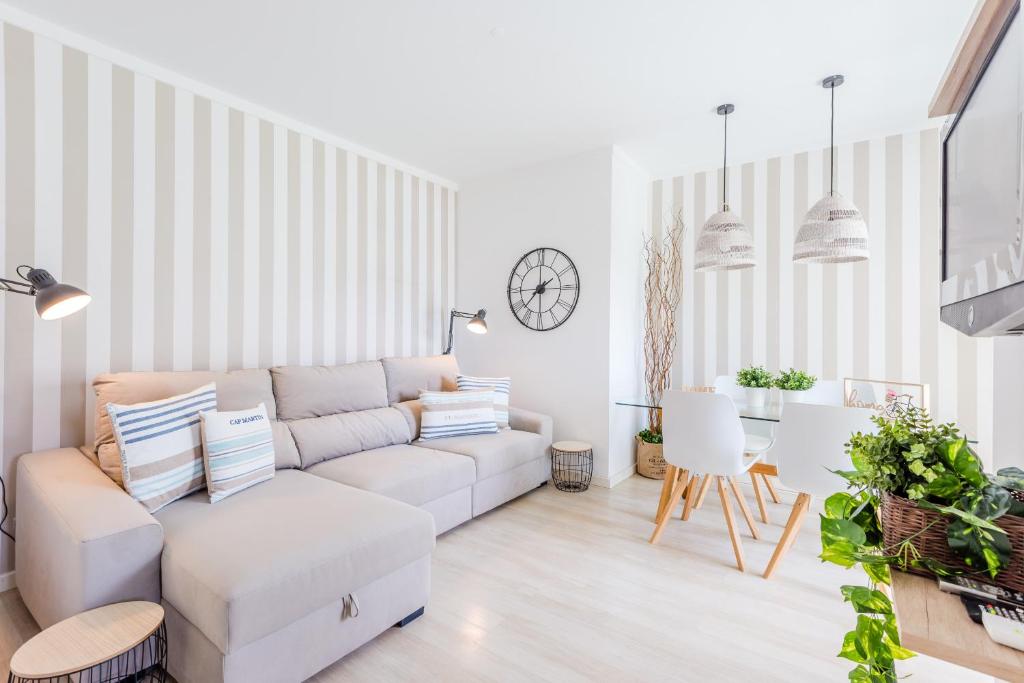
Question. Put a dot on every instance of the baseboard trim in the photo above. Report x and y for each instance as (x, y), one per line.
(616, 479)
(7, 581)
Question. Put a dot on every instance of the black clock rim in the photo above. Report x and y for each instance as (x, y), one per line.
(508, 289)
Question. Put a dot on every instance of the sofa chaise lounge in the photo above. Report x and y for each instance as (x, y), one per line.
(282, 579)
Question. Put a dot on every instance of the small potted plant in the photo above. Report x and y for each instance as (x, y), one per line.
(793, 384)
(757, 381)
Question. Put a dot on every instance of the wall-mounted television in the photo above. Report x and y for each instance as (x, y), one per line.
(982, 292)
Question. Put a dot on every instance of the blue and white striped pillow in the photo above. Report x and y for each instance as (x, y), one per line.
(238, 450)
(502, 387)
(161, 448)
(456, 413)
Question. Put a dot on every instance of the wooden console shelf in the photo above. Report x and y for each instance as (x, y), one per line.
(936, 624)
(969, 56)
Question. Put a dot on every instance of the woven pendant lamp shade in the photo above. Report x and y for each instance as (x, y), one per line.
(833, 231)
(725, 243)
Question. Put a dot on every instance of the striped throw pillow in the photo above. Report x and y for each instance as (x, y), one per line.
(161, 449)
(456, 413)
(502, 386)
(238, 450)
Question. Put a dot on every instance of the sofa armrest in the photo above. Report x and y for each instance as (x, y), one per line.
(528, 421)
(82, 541)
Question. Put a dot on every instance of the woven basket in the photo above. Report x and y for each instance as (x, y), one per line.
(902, 518)
(650, 462)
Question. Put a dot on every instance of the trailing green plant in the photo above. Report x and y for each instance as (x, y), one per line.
(755, 377)
(650, 436)
(932, 465)
(794, 380)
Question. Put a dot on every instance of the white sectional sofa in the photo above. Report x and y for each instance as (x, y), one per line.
(260, 586)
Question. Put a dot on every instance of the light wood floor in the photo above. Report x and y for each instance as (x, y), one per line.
(564, 587)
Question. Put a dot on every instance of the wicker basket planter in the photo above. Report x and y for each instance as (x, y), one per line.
(650, 462)
(902, 518)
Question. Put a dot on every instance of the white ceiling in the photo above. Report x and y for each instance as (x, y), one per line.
(465, 88)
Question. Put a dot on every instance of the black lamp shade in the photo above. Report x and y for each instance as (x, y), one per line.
(54, 299)
(59, 300)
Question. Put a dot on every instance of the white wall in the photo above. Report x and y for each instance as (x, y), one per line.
(575, 371)
(630, 213)
(1008, 403)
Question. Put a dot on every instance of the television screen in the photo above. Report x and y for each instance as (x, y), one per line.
(983, 185)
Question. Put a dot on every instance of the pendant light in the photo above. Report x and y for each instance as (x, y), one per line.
(725, 243)
(833, 230)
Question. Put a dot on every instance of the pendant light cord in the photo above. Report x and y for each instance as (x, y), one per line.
(725, 150)
(832, 145)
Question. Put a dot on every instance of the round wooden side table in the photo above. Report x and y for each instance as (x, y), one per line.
(572, 465)
(123, 641)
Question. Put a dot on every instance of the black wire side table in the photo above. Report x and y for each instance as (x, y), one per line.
(125, 641)
(572, 465)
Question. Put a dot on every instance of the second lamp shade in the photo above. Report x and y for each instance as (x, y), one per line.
(833, 231)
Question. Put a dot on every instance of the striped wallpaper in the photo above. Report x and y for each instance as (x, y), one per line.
(209, 237)
(877, 319)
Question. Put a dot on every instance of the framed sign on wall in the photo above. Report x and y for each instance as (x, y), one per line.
(885, 397)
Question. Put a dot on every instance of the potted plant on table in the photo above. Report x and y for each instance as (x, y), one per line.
(663, 290)
(757, 381)
(921, 503)
(793, 383)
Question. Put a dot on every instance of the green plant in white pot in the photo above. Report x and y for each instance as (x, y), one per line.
(793, 384)
(758, 382)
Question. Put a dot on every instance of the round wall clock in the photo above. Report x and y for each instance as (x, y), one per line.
(543, 289)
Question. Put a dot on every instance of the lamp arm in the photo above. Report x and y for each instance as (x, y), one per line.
(451, 328)
(16, 287)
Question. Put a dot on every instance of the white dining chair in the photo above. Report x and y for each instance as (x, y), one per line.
(825, 392)
(760, 434)
(703, 435)
(810, 446)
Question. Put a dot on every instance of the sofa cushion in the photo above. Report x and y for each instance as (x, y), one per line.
(332, 436)
(236, 390)
(161, 446)
(304, 391)
(257, 561)
(501, 386)
(412, 475)
(407, 376)
(238, 450)
(494, 453)
(456, 413)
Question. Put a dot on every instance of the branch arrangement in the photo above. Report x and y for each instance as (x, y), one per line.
(663, 290)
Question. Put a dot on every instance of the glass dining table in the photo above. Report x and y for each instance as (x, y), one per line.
(769, 412)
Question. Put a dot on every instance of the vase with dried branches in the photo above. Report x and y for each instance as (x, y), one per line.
(663, 290)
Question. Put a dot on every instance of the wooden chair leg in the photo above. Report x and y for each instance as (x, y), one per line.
(666, 491)
(691, 497)
(762, 508)
(730, 522)
(796, 517)
(681, 476)
(741, 501)
(677, 493)
(703, 492)
(771, 489)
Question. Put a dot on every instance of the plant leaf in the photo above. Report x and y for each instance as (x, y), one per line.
(866, 600)
(945, 486)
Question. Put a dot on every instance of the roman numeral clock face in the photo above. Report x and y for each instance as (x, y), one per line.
(543, 289)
